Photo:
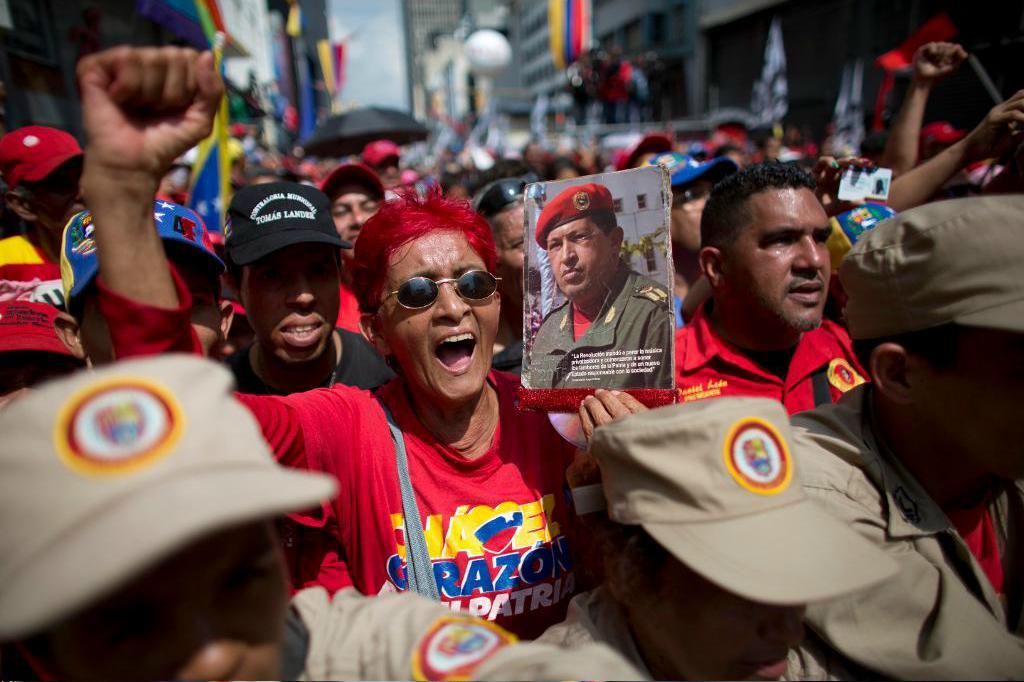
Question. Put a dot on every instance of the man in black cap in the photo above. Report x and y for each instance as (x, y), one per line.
(284, 252)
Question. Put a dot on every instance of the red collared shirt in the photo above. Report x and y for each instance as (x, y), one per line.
(708, 366)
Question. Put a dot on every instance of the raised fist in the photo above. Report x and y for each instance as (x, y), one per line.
(999, 131)
(144, 107)
(935, 61)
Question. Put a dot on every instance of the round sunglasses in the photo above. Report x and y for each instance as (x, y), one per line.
(421, 292)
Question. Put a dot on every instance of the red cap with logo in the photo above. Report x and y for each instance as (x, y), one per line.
(573, 203)
(379, 151)
(31, 153)
(29, 326)
(352, 174)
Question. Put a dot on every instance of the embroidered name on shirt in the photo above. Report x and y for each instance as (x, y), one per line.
(699, 391)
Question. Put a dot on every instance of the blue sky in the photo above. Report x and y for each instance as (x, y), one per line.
(374, 51)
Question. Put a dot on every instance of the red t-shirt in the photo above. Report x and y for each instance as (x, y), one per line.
(348, 311)
(580, 323)
(496, 527)
(708, 366)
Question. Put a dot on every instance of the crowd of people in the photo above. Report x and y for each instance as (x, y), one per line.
(292, 446)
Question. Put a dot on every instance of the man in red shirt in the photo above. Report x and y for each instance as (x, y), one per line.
(42, 167)
(762, 333)
(355, 193)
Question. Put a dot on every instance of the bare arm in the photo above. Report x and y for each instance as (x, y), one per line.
(142, 107)
(932, 63)
(992, 137)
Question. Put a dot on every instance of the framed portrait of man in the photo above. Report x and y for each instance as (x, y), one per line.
(598, 304)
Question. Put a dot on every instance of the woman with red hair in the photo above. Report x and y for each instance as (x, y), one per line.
(442, 445)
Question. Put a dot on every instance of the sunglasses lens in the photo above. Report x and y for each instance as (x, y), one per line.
(418, 292)
(477, 285)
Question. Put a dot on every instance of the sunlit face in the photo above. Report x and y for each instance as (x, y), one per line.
(583, 259)
(443, 351)
(351, 206)
(779, 266)
(291, 299)
(215, 610)
(698, 631)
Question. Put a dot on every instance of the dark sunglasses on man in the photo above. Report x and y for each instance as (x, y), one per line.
(421, 292)
(495, 196)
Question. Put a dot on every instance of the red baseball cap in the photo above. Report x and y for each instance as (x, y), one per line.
(31, 153)
(379, 151)
(942, 132)
(29, 326)
(352, 173)
(572, 204)
(654, 143)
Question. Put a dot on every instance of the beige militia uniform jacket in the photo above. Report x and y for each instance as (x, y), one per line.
(940, 617)
(404, 636)
(637, 316)
(595, 617)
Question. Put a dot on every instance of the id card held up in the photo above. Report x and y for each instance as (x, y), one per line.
(598, 304)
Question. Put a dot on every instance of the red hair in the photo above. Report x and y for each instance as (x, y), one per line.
(403, 220)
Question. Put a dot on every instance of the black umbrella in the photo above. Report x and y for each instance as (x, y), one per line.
(348, 133)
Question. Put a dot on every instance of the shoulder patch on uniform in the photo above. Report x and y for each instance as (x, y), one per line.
(842, 376)
(656, 294)
(455, 645)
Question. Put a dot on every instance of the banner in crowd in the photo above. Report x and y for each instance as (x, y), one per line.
(598, 306)
(770, 101)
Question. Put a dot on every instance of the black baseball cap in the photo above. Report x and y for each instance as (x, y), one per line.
(265, 218)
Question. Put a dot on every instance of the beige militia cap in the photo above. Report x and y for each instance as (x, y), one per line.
(103, 474)
(959, 261)
(715, 483)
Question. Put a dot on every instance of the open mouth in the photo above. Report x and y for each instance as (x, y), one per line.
(456, 352)
(302, 335)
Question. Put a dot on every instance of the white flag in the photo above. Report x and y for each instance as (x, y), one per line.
(538, 116)
(770, 102)
(848, 116)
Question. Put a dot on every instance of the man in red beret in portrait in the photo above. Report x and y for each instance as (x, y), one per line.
(610, 312)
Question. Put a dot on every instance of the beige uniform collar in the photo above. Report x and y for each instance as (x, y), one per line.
(911, 511)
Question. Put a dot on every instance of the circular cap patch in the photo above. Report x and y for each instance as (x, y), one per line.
(117, 426)
(841, 375)
(757, 457)
(454, 647)
(30, 141)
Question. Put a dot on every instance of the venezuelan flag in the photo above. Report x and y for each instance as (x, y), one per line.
(569, 30)
(210, 187)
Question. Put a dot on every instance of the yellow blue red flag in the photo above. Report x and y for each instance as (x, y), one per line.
(569, 28)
